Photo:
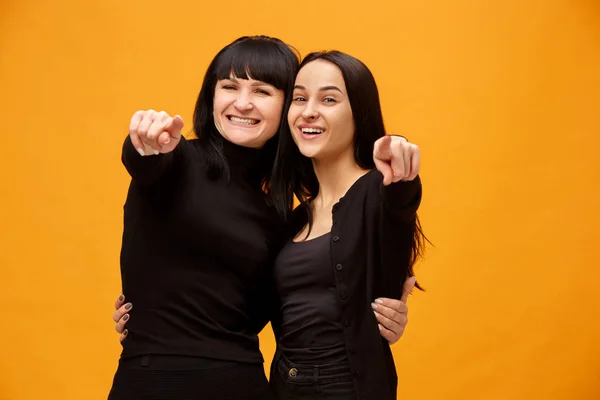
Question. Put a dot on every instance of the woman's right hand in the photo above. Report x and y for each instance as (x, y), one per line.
(121, 316)
(154, 132)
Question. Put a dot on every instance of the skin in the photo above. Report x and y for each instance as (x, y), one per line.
(247, 112)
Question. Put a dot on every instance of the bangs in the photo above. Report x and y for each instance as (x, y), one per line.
(253, 59)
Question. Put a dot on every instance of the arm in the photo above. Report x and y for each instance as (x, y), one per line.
(152, 145)
(265, 305)
(399, 198)
(399, 163)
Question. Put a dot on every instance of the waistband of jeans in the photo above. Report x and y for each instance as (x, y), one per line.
(300, 373)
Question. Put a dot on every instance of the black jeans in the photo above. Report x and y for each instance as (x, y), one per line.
(161, 377)
(290, 381)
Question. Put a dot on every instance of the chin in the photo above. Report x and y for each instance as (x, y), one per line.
(308, 151)
(242, 140)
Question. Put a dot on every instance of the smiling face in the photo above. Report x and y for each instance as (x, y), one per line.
(320, 116)
(247, 112)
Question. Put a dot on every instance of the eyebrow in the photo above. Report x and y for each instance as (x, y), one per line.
(323, 89)
(253, 84)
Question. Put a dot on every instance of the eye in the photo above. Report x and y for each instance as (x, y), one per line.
(263, 92)
(228, 87)
(329, 100)
(298, 99)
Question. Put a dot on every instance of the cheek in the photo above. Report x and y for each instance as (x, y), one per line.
(295, 112)
(219, 102)
(342, 124)
(291, 116)
(271, 111)
(348, 121)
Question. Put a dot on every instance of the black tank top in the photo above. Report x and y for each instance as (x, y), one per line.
(311, 332)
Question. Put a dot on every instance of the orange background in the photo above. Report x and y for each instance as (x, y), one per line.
(502, 96)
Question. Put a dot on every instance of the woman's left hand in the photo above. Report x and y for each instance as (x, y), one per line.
(392, 315)
(396, 159)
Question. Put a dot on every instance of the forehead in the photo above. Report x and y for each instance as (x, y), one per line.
(320, 73)
(246, 80)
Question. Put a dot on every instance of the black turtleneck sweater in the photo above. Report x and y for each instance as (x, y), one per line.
(194, 252)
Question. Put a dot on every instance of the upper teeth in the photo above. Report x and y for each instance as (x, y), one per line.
(312, 130)
(244, 120)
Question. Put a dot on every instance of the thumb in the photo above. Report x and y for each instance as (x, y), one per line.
(409, 285)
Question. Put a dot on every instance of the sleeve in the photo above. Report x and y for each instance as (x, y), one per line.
(145, 170)
(396, 228)
(401, 200)
(262, 303)
(266, 306)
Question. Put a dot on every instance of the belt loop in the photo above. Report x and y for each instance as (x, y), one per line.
(145, 361)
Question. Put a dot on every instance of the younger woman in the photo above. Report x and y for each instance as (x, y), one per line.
(355, 235)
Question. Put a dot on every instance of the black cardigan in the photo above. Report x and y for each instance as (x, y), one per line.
(370, 241)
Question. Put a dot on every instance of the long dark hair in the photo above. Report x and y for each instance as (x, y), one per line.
(261, 58)
(294, 175)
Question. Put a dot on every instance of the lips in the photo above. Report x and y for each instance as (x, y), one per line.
(310, 129)
(242, 121)
(310, 132)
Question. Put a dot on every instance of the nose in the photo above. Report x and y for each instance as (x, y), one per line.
(243, 101)
(310, 112)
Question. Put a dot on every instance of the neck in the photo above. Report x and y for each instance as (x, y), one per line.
(335, 177)
(244, 162)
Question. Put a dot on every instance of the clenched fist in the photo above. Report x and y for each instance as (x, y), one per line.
(396, 159)
(154, 132)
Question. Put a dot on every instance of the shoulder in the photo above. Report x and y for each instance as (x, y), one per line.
(192, 153)
(369, 183)
(374, 178)
(190, 144)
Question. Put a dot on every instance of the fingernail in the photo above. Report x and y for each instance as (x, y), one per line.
(376, 315)
(373, 306)
(125, 317)
(128, 306)
(379, 326)
(156, 152)
(121, 298)
(125, 332)
(168, 140)
(378, 301)
(141, 152)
